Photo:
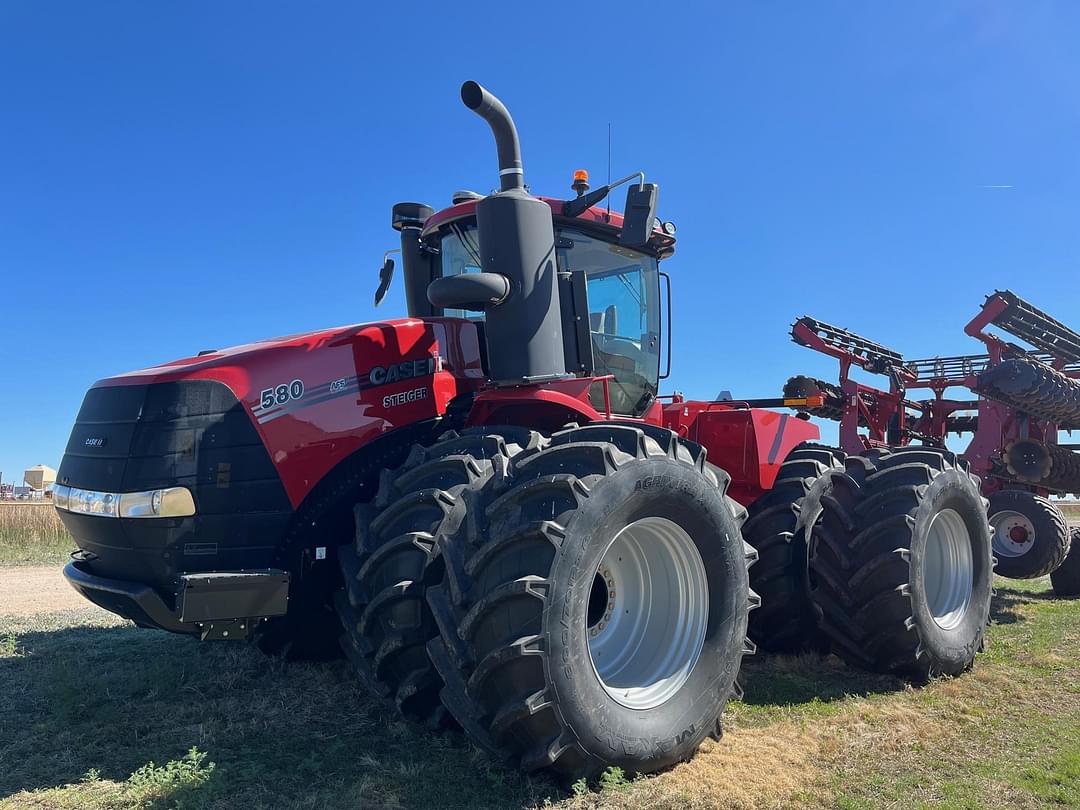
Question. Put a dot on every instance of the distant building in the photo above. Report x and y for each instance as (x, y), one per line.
(40, 477)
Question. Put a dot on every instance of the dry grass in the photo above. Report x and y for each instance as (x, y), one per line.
(749, 768)
(814, 733)
(32, 534)
(1071, 510)
(787, 763)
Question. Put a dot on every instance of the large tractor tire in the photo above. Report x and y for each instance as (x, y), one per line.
(1031, 536)
(1066, 579)
(593, 606)
(383, 609)
(900, 563)
(777, 528)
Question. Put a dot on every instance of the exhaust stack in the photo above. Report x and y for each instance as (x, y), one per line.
(488, 107)
(519, 284)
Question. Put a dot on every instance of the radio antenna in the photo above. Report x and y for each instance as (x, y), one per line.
(609, 168)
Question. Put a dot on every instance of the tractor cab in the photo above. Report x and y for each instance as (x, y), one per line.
(565, 290)
(620, 292)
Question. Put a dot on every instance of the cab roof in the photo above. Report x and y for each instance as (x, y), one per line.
(595, 219)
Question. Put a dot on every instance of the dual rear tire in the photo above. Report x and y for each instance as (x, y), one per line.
(900, 563)
(572, 602)
(778, 526)
(883, 558)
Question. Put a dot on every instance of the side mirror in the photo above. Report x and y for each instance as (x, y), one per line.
(386, 275)
(639, 215)
(476, 292)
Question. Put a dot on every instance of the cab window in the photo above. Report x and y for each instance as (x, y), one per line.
(459, 252)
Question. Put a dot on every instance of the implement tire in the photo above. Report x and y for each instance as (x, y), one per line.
(383, 607)
(593, 608)
(900, 563)
(801, 386)
(1035, 387)
(1031, 535)
(1066, 579)
(777, 527)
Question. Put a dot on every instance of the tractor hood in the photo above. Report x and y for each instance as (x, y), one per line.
(228, 365)
(309, 399)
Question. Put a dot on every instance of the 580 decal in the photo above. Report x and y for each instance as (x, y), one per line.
(283, 399)
(280, 394)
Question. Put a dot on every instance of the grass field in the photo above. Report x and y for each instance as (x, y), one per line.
(98, 714)
(32, 534)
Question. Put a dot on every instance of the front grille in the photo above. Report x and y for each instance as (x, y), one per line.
(193, 434)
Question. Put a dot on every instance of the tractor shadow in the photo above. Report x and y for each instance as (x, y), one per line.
(108, 713)
(1007, 602)
(794, 680)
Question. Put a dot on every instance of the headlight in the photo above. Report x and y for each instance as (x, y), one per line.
(170, 502)
(86, 501)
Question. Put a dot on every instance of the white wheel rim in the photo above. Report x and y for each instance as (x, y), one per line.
(1014, 533)
(948, 569)
(648, 610)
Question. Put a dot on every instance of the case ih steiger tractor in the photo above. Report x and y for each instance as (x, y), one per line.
(506, 525)
(1018, 400)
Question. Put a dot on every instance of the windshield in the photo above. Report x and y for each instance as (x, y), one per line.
(624, 318)
(624, 309)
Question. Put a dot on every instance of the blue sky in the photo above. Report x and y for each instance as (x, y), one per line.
(175, 177)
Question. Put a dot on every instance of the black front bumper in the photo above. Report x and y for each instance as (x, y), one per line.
(220, 604)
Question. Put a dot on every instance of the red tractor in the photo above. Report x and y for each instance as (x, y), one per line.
(488, 503)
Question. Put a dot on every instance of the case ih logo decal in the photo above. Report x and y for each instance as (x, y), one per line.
(402, 371)
(287, 398)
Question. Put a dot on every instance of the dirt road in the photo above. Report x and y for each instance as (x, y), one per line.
(25, 591)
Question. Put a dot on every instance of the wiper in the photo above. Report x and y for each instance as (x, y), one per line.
(633, 292)
(467, 243)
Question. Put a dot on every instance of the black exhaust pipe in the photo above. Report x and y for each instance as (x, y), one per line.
(484, 104)
(518, 287)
